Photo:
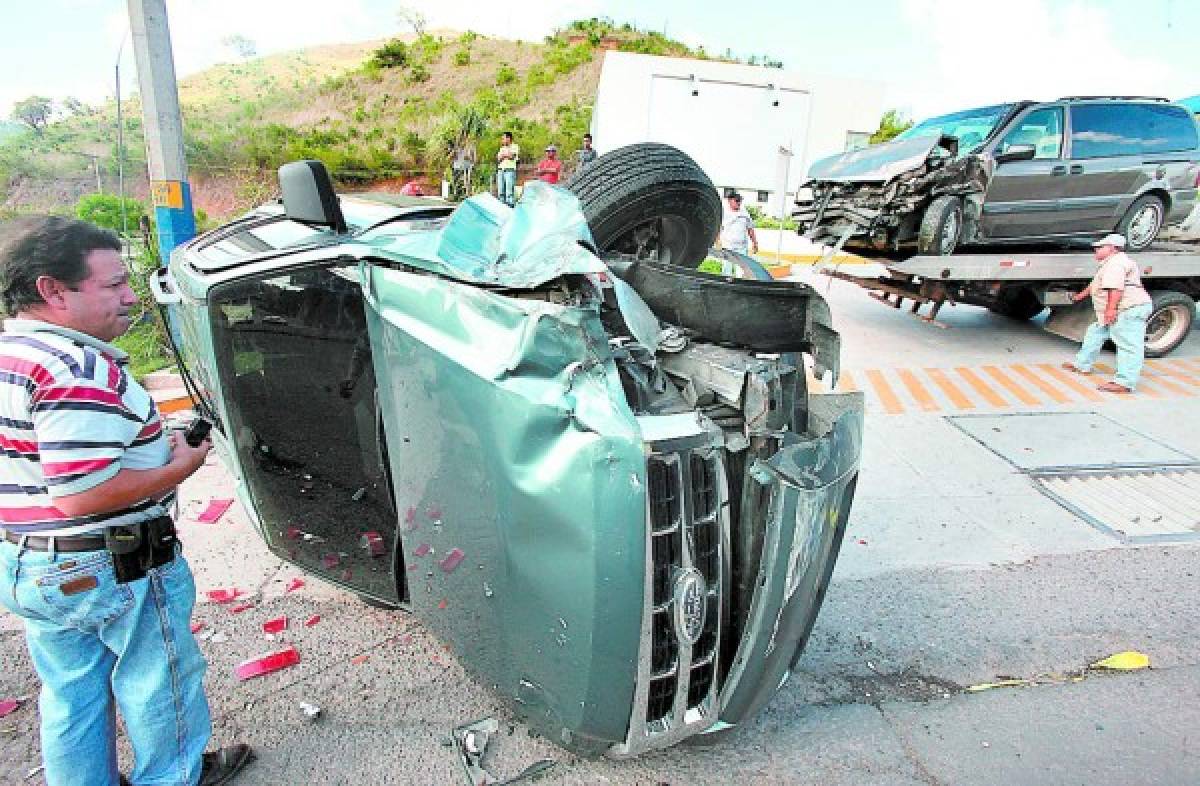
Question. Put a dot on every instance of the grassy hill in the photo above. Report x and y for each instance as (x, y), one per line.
(375, 112)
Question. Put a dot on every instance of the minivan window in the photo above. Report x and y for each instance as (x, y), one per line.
(1102, 130)
(1041, 128)
(970, 127)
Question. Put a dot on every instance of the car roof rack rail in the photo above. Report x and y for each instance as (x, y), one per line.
(1115, 98)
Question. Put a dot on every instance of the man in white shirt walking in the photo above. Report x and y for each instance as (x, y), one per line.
(737, 226)
(1122, 308)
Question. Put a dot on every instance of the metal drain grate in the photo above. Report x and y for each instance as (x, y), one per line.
(1133, 505)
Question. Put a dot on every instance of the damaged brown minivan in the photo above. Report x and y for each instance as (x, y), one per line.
(1029, 172)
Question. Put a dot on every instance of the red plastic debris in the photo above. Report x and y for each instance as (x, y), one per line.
(373, 543)
(442, 604)
(359, 660)
(862, 541)
(223, 595)
(410, 515)
(294, 585)
(216, 508)
(452, 560)
(434, 513)
(422, 550)
(313, 620)
(265, 664)
(412, 567)
(238, 609)
(277, 625)
(330, 560)
(197, 627)
(292, 533)
(9, 706)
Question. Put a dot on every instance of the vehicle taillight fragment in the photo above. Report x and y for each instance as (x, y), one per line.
(265, 664)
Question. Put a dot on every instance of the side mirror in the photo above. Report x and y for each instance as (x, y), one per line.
(1017, 153)
(308, 195)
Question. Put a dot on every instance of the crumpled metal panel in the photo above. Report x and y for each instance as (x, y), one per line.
(877, 163)
(486, 242)
(510, 441)
(808, 486)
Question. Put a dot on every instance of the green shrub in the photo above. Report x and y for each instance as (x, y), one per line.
(393, 54)
(462, 57)
(468, 38)
(506, 74)
(104, 210)
(418, 74)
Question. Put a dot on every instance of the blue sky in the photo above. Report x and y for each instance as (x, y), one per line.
(933, 55)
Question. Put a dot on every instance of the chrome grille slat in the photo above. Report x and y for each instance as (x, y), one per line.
(686, 532)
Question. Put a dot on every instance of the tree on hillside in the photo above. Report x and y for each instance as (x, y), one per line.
(242, 47)
(76, 107)
(892, 124)
(34, 112)
(413, 18)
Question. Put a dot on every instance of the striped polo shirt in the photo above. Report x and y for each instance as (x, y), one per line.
(71, 417)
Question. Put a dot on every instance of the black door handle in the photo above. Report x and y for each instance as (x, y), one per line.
(1076, 169)
(1059, 170)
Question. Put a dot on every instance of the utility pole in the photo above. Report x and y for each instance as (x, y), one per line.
(121, 147)
(163, 124)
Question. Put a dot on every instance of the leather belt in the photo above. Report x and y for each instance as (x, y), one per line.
(62, 543)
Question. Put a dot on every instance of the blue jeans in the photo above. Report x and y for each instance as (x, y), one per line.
(1128, 332)
(506, 186)
(91, 642)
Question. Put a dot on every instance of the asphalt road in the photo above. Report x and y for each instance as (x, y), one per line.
(956, 571)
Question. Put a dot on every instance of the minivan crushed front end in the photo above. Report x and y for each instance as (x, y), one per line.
(622, 527)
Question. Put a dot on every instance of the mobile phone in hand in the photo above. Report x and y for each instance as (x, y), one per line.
(197, 432)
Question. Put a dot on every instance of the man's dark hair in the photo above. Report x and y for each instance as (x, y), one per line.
(36, 246)
(735, 196)
(588, 137)
(507, 134)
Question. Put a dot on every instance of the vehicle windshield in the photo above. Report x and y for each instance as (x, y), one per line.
(970, 127)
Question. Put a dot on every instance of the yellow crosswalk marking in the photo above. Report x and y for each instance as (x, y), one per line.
(981, 387)
(887, 396)
(956, 396)
(1077, 384)
(1051, 391)
(1022, 395)
(918, 391)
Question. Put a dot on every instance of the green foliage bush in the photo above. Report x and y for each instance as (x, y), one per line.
(104, 210)
(418, 74)
(506, 74)
(462, 57)
(393, 54)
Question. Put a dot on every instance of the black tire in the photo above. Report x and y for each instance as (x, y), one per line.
(1142, 222)
(1170, 322)
(941, 226)
(649, 198)
(1021, 304)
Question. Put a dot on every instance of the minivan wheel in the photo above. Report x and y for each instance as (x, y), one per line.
(1142, 222)
(1171, 316)
(649, 201)
(941, 226)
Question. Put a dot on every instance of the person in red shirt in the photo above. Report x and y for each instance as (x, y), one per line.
(549, 168)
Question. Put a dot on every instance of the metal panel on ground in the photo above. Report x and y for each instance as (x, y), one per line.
(1135, 506)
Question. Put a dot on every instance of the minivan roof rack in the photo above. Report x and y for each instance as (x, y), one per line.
(1115, 98)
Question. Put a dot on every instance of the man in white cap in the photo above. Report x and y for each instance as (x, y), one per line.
(1122, 308)
(549, 168)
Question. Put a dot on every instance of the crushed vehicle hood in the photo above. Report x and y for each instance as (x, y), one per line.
(877, 163)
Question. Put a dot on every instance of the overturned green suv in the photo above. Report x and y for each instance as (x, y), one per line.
(596, 473)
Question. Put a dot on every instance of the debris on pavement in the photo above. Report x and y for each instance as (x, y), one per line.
(358, 495)
(197, 627)
(223, 595)
(239, 608)
(311, 711)
(359, 660)
(267, 663)
(1130, 660)
(313, 620)
(471, 741)
(276, 625)
(331, 560)
(422, 550)
(218, 638)
(294, 585)
(9, 706)
(35, 771)
(216, 508)
(997, 684)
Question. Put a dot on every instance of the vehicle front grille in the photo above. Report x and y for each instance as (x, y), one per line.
(687, 534)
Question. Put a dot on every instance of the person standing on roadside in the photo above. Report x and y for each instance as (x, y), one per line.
(89, 557)
(549, 168)
(737, 226)
(1122, 307)
(506, 169)
(586, 155)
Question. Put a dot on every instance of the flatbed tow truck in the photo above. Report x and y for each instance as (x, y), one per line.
(1022, 283)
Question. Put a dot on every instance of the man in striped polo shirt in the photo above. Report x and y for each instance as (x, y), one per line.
(88, 556)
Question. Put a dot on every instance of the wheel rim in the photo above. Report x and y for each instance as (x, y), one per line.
(665, 237)
(1144, 226)
(1165, 328)
(949, 233)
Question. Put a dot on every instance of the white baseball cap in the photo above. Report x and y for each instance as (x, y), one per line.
(1114, 240)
